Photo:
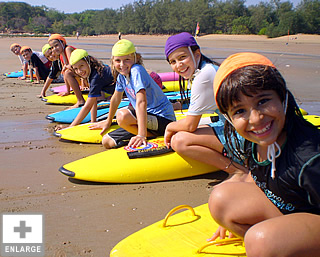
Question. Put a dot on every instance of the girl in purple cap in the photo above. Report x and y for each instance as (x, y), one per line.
(205, 143)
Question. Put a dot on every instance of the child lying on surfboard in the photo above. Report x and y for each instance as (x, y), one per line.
(151, 110)
(276, 208)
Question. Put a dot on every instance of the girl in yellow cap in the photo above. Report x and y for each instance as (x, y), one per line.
(276, 207)
(100, 80)
(151, 110)
(61, 51)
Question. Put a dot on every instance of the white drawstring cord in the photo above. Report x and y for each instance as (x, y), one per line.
(272, 155)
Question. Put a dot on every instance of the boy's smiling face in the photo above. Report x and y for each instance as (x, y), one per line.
(27, 54)
(16, 49)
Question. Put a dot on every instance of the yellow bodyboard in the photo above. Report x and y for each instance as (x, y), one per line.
(172, 86)
(179, 235)
(64, 100)
(314, 119)
(82, 133)
(114, 166)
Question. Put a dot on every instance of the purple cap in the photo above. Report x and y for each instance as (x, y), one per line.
(183, 39)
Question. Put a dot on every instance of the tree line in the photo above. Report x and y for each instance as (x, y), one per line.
(274, 18)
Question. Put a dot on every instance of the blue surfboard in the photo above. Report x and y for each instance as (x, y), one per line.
(15, 74)
(67, 116)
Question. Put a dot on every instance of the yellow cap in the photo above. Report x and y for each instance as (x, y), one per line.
(45, 48)
(77, 55)
(237, 61)
(123, 47)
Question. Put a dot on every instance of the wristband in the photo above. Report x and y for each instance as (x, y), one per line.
(142, 137)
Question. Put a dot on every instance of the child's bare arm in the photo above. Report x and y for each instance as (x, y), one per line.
(141, 111)
(37, 75)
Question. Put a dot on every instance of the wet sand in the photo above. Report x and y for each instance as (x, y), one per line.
(88, 219)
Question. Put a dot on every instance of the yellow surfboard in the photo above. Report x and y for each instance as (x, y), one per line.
(172, 86)
(114, 166)
(82, 133)
(63, 100)
(314, 119)
(179, 235)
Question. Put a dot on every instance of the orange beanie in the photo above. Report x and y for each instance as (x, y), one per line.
(237, 61)
(24, 48)
(57, 37)
(13, 45)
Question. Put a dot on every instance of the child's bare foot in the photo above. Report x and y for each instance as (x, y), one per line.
(63, 93)
(76, 105)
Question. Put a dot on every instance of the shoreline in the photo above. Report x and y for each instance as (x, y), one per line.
(88, 219)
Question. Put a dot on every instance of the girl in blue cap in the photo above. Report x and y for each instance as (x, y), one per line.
(151, 110)
(204, 143)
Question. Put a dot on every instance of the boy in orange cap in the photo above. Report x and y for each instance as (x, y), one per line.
(41, 70)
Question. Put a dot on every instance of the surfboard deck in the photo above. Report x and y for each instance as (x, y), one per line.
(114, 166)
(68, 116)
(14, 74)
(168, 76)
(172, 86)
(314, 119)
(63, 100)
(82, 133)
(58, 89)
(180, 235)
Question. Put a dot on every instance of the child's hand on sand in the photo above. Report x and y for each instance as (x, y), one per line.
(60, 126)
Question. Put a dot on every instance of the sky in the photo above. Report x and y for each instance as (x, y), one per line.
(68, 6)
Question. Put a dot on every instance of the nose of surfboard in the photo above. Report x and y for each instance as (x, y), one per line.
(48, 117)
(67, 172)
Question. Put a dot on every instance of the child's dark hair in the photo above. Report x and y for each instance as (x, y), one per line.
(182, 80)
(249, 81)
(95, 64)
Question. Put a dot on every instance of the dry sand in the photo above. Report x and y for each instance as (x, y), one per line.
(88, 219)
